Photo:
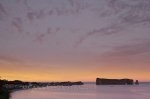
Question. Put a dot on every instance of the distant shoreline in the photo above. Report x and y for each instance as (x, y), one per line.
(8, 87)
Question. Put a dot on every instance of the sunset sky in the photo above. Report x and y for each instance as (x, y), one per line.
(73, 40)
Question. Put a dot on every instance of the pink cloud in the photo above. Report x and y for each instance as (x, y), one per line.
(9, 59)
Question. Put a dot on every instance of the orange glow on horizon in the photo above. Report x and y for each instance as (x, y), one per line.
(72, 74)
(79, 76)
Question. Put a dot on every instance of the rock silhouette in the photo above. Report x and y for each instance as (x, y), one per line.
(103, 81)
(137, 82)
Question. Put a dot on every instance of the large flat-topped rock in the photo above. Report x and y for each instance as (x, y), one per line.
(104, 81)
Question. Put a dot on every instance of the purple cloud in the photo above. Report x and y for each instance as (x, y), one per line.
(31, 16)
(71, 2)
(2, 9)
(26, 4)
(129, 50)
(49, 30)
(51, 12)
(17, 23)
(40, 14)
(76, 8)
(40, 38)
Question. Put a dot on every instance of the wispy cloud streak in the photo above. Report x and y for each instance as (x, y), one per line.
(127, 15)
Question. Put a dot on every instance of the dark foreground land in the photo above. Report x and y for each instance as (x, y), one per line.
(4, 93)
(7, 86)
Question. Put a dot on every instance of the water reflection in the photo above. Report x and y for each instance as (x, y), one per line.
(88, 91)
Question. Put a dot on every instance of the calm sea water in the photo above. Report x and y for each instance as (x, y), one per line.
(87, 91)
